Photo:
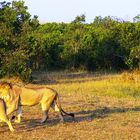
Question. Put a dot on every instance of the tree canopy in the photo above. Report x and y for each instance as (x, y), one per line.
(26, 45)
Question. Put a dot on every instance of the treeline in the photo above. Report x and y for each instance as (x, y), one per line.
(26, 45)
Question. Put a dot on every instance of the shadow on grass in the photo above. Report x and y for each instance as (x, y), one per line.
(34, 124)
(101, 113)
(69, 78)
(54, 82)
(81, 116)
(29, 125)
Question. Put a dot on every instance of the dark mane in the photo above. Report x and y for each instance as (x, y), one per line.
(6, 84)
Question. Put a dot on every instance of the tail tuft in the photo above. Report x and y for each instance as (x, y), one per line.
(71, 114)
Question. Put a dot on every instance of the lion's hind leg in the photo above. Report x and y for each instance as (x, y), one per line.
(45, 116)
(57, 107)
(58, 110)
(45, 105)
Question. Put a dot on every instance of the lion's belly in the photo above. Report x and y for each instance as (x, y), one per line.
(30, 97)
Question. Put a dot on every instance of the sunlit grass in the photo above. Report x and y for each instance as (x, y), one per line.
(123, 85)
(106, 106)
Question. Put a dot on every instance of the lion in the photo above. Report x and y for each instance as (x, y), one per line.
(10, 97)
(30, 96)
(8, 103)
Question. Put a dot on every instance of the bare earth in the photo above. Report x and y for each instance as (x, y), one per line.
(106, 107)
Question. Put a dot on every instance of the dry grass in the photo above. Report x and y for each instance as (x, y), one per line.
(106, 106)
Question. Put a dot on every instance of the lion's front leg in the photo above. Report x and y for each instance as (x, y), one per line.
(19, 114)
(17, 117)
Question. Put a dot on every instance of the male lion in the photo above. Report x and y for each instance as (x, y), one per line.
(45, 96)
(8, 102)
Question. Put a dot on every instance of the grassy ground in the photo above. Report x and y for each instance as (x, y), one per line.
(106, 107)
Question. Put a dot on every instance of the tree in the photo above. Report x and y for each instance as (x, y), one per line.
(136, 18)
(14, 32)
(79, 19)
(134, 58)
(26, 45)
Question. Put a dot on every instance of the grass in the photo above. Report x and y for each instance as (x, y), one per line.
(106, 106)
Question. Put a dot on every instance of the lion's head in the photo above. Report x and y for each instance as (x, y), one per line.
(4, 90)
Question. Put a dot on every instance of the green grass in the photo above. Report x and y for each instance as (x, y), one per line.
(106, 106)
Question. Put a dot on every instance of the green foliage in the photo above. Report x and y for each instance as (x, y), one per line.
(134, 57)
(15, 29)
(25, 45)
(79, 19)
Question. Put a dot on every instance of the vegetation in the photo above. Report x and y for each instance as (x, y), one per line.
(26, 45)
(106, 106)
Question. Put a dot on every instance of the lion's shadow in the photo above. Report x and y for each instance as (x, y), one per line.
(89, 115)
(34, 124)
(103, 112)
(80, 116)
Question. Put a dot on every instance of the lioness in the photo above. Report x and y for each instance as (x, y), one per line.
(45, 96)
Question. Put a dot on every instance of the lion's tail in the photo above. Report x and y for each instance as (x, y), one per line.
(59, 106)
(70, 114)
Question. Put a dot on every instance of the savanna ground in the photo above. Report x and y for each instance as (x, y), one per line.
(106, 107)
